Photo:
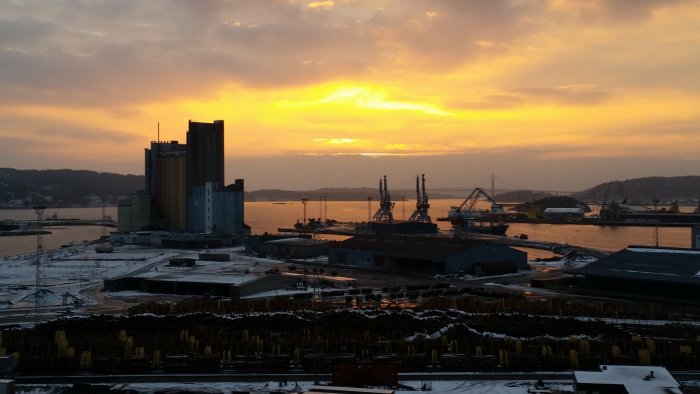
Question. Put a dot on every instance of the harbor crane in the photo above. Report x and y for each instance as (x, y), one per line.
(384, 213)
(459, 214)
(465, 218)
(614, 202)
(422, 205)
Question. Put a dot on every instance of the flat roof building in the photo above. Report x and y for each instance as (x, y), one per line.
(428, 254)
(199, 283)
(647, 272)
(631, 379)
(295, 248)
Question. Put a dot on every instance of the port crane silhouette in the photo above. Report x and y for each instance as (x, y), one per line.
(422, 204)
(384, 213)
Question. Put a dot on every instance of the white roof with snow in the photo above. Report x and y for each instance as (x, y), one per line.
(636, 379)
(220, 278)
(564, 210)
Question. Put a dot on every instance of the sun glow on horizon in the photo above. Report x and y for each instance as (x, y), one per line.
(324, 77)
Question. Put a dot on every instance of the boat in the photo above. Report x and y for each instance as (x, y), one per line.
(466, 219)
(6, 225)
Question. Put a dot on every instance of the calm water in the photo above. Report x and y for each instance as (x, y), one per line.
(265, 216)
(10, 246)
(268, 217)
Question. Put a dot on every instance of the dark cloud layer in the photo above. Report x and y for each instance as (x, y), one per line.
(124, 52)
(560, 174)
(536, 95)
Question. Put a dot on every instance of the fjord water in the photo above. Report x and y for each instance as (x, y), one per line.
(267, 216)
(270, 216)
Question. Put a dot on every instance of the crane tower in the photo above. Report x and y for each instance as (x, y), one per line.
(422, 205)
(384, 213)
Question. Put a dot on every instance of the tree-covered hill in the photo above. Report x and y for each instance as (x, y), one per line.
(684, 189)
(64, 188)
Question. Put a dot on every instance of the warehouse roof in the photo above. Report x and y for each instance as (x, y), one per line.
(635, 379)
(421, 248)
(648, 263)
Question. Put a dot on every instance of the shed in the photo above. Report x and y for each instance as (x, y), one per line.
(215, 257)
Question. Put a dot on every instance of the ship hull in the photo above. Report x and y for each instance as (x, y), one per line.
(489, 229)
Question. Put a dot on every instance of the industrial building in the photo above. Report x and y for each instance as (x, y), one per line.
(134, 212)
(166, 182)
(185, 188)
(428, 255)
(646, 272)
(165, 239)
(205, 154)
(295, 248)
(615, 379)
(402, 227)
(195, 283)
(215, 210)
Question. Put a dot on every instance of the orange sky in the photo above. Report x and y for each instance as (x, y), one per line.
(557, 94)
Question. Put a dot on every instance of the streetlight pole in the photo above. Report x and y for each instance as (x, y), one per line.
(369, 209)
(39, 280)
(303, 202)
(325, 207)
(403, 207)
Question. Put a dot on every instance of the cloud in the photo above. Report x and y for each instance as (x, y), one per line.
(524, 169)
(429, 76)
(605, 11)
(579, 95)
(321, 5)
(110, 53)
(335, 141)
(27, 144)
(129, 52)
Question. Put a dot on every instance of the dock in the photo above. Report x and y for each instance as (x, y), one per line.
(558, 248)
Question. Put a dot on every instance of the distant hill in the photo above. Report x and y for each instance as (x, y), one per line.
(521, 196)
(683, 189)
(64, 188)
(552, 202)
(334, 194)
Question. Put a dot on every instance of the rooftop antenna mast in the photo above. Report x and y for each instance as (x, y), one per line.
(384, 213)
(40, 268)
(422, 204)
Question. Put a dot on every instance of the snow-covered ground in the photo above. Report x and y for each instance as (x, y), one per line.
(435, 387)
(69, 271)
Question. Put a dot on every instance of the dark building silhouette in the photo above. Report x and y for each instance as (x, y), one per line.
(213, 209)
(205, 154)
(185, 189)
(645, 272)
(427, 254)
(166, 183)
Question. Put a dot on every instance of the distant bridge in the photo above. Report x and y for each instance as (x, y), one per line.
(500, 191)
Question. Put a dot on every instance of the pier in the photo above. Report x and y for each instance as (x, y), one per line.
(346, 229)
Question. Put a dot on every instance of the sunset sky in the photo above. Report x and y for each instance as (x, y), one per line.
(550, 94)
